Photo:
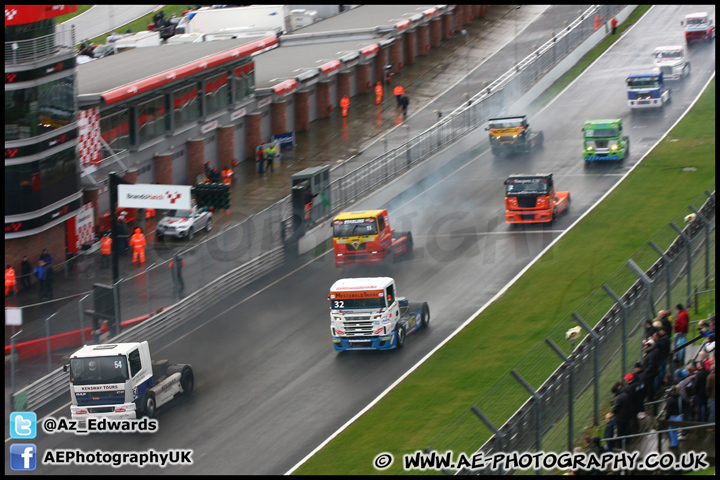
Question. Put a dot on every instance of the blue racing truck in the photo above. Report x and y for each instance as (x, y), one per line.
(647, 90)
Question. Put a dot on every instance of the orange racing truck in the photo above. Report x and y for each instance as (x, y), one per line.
(365, 238)
(533, 199)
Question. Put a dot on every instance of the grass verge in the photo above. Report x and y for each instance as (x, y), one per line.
(439, 392)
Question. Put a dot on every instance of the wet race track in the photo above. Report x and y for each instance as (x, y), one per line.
(269, 386)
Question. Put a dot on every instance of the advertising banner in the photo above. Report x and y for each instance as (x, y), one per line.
(166, 197)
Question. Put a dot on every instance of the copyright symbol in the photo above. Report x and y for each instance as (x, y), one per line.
(383, 461)
(49, 425)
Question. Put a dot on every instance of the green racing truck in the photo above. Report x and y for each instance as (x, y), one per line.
(603, 140)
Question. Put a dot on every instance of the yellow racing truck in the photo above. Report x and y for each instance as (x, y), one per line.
(512, 134)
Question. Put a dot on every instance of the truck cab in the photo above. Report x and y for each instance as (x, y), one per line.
(698, 28)
(531, 198)
(512, 134)
(366, 238)
(120, 380)
(367, 314)
(672, 62)
(647, 90)
(603, 140)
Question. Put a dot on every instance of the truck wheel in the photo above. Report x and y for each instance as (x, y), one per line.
(150, 406)
(409, 243)
(208, 225)
(400, 336)
(567, 208)
(627, 147)
(425, 316)
(187, 380)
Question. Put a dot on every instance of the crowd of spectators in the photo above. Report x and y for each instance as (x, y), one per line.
(687, 391)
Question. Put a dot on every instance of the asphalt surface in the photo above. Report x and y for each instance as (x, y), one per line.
(269, 386)
(102, 19)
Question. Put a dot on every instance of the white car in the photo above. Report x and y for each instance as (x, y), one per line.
(672, 61)
(184, 223)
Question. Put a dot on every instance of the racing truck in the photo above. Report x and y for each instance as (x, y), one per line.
(120, 380)
(647, 90)
(367, 314)
(603, 140)
(365, 238)
(184, 223)
(698, 27)
(512, 134)
(533, 199)
(672, 62)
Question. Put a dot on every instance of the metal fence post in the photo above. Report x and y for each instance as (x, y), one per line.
(538, 403)
(12, 361)
(47, 340)
(623, 309)
(116, 295)
(82, 319)
(706, 224)
(668, 272)
(689, 261)
(491, 426)
(596, 362)
(571, 396)
(647, 282)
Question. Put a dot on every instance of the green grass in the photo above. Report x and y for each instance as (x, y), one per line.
(586, 61)
(473, 367)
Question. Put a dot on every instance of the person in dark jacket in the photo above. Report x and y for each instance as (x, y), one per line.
(701, 375)
(610, 432)
(674, 410)
(662, 342)
(622, 408)
(651, 364)
(40, 274)
(25, 273)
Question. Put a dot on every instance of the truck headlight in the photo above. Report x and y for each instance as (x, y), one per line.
(589, 149)
(614, 147)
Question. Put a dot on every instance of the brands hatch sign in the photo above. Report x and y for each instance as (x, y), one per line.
(166, 197)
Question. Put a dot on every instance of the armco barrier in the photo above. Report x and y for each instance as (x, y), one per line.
(52, 385)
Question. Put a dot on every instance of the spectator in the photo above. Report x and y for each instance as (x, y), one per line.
(40, 274)
(687, 392)
(637, 393)
(666, 320)
(681, 331)
(25, 273)
(710, 390)
(651, 365)
(622, 410)
(46, 257)
(649, 329)
(591, 445)
(701, 375)
(662, 341)
(674, 411)
(610, 432)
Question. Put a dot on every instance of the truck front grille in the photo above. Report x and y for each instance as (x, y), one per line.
(527, 202)
(358, 325)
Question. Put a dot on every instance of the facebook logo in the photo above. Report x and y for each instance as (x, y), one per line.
(23, 456)
(23, 425)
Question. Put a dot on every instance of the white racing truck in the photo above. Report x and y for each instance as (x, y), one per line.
(672, 61)
(120, 381)
(366, 314)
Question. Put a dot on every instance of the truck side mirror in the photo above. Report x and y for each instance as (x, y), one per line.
(65, 368)
(486, 129)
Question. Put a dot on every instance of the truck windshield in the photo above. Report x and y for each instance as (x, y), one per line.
(506, 123)
(344, 304)
(98, 370)
(523, 186)
(354, 227)
(666, 55)
(179, 213)
(695, 21)
(643, 82)
(602, 132)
